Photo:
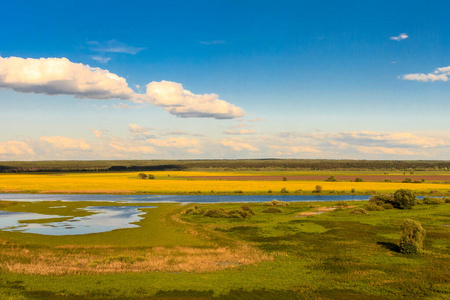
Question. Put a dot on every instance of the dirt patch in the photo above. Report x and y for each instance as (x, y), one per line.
(370, 178)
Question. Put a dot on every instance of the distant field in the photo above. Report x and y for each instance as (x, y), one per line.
(189, 182)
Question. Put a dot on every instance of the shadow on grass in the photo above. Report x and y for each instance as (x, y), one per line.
(390, 246)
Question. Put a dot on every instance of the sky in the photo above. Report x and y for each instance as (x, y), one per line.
(84, 80)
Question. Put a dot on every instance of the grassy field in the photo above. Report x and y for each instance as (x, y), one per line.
(294, 254)
(182, 182)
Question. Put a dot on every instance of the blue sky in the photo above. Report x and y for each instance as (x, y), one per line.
(224, 79)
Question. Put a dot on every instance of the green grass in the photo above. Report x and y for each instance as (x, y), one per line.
(334, 255)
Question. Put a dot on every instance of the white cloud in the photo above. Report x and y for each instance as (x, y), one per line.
(440, 74)
(128, 147)
(238, 145)
(240, 132)
(15, 148)
(65, 143)
(101, 59)
(174, 142)
(139, 132)
(425, 77)
(183, 103)
(59, 76)
(289, 150)
(113, 46)
(400, 37)
(122, 105)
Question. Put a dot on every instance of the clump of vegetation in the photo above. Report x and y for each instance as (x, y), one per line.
(404, 199)
(242, 213)
(275, 203)
(412, 238)
(284, 179)
(342, 203)
(194, 211)
(359, 211)
(284, 190)
(374, 207)
(407, 180)
(298, 191)
(331, 178)
(387, 180)
(359, 179)
(238, 192)
(150, 176)
(272, 210)
(318, 189)
(433, 200)
(142, 175)
(352, 191)
(447, 200)
(269, 191)
(381, 202)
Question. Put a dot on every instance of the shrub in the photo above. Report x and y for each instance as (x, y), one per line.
(352, 191)
(238, 192)
(237, 214)
(318, 189)
(404, 199)
(248, 209)
(447, 200)
(382, 200)
(272, 210)
(150, 176)
(194, 211)
(269, 191)
(359, 179)
(142, 176)
(298, 191)
(412, 238)
(216, 213)
(433, 200)
(284, 190)
(284, 179)
(407, 180)
(331, 178)
(342, 203)
(373, 207)
(275, 203)
(359, 211)
(387, 180)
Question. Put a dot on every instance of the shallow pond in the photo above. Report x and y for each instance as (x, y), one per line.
(103, 219)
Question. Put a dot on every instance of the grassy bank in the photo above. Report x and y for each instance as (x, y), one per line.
(305, 251)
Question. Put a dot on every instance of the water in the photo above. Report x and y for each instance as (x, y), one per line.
(103, 219)
(107, 218)
(180, 198)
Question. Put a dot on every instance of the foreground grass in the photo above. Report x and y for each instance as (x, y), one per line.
(294, 254)
(177, 182)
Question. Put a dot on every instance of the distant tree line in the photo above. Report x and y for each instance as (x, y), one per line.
(224, 165)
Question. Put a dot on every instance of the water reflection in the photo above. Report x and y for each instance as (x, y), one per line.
(105, 218)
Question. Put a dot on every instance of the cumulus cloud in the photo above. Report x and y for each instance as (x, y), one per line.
(238, 145)
(400, 37)
(240, 132)
(182, 103)
(15, 148)
(59, 76)
(440, 74)
(65, 143)
(139, 132)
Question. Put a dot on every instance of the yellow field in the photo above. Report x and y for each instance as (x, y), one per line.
(168, 182)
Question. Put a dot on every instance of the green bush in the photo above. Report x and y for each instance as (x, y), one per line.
(318, 189)
(433, 200)
(284, 190)
(275, 203)
(248, 209)
(272, 210)
(194, 211)
(447, 200)
(216, 213)
(342, 203)
(284, 179)
(142, 176)
(150, 176)
(404, 199)
(331, 178)
(412, 237)
(359, 211)
(384, 200)
(407, 180)
(352, 191)
(373, 207)
(359, 179)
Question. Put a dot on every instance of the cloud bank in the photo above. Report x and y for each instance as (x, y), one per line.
(59, 76)
(440, 74)
(183, 103)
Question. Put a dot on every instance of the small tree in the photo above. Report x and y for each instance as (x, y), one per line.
(412, 238)
(284, 179)
(142, 176)
(150, 176)
(404, 199)
(359, 179)
(318, 189)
